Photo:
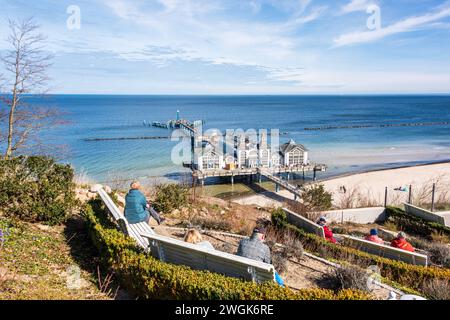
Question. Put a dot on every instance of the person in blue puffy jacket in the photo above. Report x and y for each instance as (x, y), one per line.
(136, 207)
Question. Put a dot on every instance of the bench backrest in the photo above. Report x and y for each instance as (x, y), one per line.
(424, 214)
(181, 253)
(303, 223)
(109, 203)
(386, 251)
(357, 215)
(132, 230)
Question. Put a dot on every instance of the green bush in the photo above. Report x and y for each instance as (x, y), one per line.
(170, 196)
(405, 274)
(36, 189)
(317, 199)
(150, 278)
(414, 225)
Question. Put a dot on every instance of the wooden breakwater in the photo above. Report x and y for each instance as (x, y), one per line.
(140, 138)
(383, 125)
(127, 138)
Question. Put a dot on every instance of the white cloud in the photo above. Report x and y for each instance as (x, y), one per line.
(314, 14)
(255, 6)
(406, 25)
(356, 5)
(296, 7)
(191, 7)
(303, 4)
(224, 47)
(216, 41)
(370, 81)
(123, 9)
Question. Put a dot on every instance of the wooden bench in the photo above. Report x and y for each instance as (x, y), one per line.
(181, 253)
(134, 230)
(303, 223)
(386, 251)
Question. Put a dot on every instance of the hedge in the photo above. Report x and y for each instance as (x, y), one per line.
(36, 189)
(150, 278)
(414, 225)
(405, 274)
(170, 196)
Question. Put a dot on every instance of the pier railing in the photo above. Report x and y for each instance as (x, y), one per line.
(268, 173)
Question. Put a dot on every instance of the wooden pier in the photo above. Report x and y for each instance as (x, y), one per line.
(268, 173)
(296, 191)
(203, 174)
(186, 126)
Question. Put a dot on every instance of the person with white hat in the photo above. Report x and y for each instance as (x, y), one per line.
(328, 233)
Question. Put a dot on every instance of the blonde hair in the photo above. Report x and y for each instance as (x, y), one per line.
(193, 236)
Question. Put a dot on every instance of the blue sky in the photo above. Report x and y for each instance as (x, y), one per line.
(243, 46)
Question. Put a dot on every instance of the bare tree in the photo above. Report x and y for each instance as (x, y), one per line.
(3, 112)
(26, 65)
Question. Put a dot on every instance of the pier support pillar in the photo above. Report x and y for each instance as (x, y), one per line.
(277, 188)
(259, 178)
(288, 176)
(232, 180)
(315, 175)
(303, 174)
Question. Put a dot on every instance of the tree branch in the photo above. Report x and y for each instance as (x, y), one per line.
(26, 65)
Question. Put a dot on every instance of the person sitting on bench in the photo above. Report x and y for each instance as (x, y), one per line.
(328, 233)
(254, 248)
(193, 236)
(373, 237)
(136, 207)
(401, 243)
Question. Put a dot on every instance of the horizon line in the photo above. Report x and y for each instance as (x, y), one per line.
(238, 94)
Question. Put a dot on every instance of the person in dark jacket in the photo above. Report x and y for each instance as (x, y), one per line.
(136, 207)
(328, 233)
(254, 248)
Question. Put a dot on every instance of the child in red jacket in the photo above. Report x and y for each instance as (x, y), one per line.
(373, 237)
(328, 233)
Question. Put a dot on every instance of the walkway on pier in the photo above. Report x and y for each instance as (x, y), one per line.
(281, 183)
(190, 130)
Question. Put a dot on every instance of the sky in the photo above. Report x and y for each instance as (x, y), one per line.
(242, 46)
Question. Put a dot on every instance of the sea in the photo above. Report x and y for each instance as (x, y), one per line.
(357, 133)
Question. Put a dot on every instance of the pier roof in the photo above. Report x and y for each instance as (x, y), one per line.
(291, 145)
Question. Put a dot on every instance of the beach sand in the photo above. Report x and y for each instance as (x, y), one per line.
(369, 187)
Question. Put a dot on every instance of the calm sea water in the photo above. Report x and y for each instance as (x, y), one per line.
(344, 150)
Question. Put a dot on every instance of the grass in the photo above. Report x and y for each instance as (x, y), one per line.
(228, 192)
(36, 261)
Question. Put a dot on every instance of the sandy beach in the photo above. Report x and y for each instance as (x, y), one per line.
(369, 188)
